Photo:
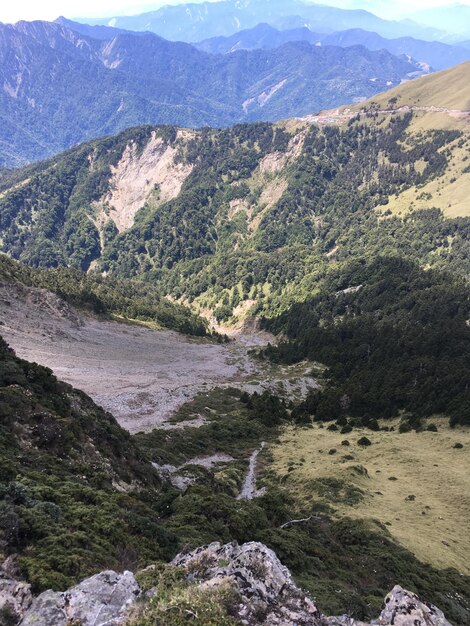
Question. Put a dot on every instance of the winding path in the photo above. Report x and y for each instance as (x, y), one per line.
(248, 490)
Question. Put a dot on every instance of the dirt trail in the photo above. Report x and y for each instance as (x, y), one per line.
(248, 490)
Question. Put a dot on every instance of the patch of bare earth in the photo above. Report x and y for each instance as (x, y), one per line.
(141, 375)
(137, 175)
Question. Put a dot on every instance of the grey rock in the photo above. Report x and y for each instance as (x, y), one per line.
(265, 586)
(403, 608)
(267, 594)
(46, 610)
(15, 597)
(101, 600)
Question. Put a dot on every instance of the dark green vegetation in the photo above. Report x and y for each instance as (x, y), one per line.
(129, 299)
(130, 79)
(76, 494)
(395, 338)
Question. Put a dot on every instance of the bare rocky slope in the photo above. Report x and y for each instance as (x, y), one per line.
(141, 374)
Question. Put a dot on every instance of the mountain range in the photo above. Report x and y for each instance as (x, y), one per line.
(194, 22)
(435, 54)
(453, 18)
(248, 261)
(61, 87)
(180, 203)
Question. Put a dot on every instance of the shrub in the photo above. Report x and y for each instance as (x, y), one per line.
(364, 441)
(405, 427)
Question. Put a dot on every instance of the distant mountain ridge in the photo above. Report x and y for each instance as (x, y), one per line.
(454, 18)
(436, 54)
(61, 87)
(194, 22)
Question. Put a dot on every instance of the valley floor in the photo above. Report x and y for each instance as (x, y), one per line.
(141, 375)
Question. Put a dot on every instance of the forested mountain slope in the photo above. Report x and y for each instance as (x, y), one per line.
(61, 87)
(107, 297)
(255, 218)
(396, 340)
(243, 215)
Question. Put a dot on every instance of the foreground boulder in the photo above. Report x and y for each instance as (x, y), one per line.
(264, 584)
(97, 601)
(265, 592)
(403, 608)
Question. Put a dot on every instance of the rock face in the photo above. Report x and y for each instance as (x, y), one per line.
(265, 585)
(403, 608)
(100, 600)
(15, 598)
(268, 596)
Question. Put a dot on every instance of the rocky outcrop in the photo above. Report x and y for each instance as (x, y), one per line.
(403, 608)
(265, 590)
(264, 584)
(101, 600)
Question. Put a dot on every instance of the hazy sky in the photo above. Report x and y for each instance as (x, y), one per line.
(13, 10)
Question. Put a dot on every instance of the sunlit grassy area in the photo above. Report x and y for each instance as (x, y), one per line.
(449, 192)
(418, 484)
